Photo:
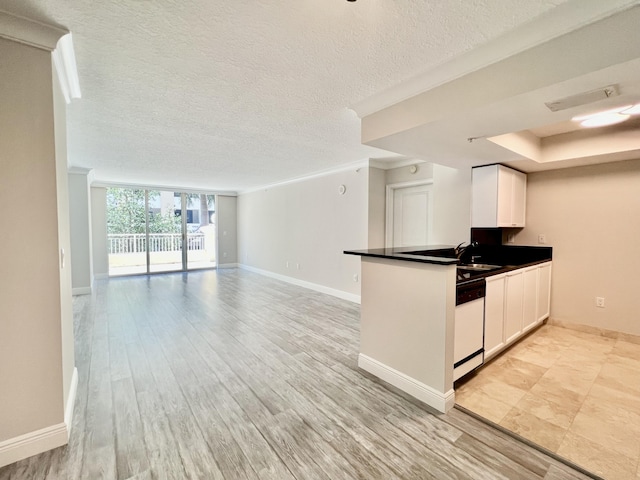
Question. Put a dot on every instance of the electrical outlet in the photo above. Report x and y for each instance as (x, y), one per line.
(287, 264)
(600, 302)
(511, 238)
(542, 238)
(297, 266)
(355, 277)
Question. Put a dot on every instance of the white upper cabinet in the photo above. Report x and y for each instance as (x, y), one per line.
(498, 197)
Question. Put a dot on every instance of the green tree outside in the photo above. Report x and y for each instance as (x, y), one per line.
(126, 213)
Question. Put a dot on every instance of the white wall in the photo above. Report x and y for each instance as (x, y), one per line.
(377, 207)
(80, 218)
(591, 218)
(226, 219)
(99, 248)
(308, 225)
(64, 240)
(31, 344)
(403, 174)
(452, 205)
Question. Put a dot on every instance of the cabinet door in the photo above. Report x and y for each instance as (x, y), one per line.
(513, 305)
(518, 198)
(505, 193)
(544, 291)
(484, 196)
(494, 316)
(530, 298)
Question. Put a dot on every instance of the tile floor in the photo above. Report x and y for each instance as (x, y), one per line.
(574, 393)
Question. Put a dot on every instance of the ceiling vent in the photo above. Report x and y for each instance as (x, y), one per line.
(583, 98)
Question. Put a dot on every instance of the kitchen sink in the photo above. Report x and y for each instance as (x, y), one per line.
(478, 267)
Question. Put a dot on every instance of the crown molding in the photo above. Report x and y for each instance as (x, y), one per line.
(29, 32)
(175, 188)
(79, 170)
(88, 173)
(389, 165)
(343, 168)
(382, 164)
(64, 60)
(51, 39)
(561, 20)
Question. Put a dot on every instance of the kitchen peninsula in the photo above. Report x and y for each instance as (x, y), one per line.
(408, 310)
(407, 320)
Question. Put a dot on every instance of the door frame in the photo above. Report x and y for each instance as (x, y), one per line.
(390, 191)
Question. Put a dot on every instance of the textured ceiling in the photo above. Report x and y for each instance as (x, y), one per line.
(227, 95)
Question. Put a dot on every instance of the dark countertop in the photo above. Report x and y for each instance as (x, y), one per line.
(503, 269)
(438, 254)
(509, 257)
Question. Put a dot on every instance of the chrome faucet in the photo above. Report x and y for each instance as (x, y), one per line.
(460, 249)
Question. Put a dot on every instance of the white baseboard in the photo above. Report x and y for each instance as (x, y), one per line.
(227, 265)
(45, 439)
(33, 443)
(302, 283)
(71, 401)
(81, 291)
(442, 402)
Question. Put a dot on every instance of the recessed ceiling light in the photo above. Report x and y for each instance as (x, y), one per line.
(603, 119)
(580, 118)
(635, 110)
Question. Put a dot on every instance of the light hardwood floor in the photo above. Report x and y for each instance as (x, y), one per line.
(228, 374)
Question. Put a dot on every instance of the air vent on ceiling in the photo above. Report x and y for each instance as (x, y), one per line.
(583, 98)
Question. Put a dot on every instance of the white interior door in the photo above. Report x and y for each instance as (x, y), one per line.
(410, 222)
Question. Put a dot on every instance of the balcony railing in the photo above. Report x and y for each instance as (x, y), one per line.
(158, 242)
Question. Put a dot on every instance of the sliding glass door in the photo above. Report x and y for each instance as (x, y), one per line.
(151, 231)
(201, 231)
(126, 231)
(165, 231)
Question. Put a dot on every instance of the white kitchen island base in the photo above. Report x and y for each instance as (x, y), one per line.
(407, 327)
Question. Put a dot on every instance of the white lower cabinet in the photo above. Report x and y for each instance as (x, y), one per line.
(530, 298)
(515, 302)
(494, 315)
(544, 291)
(513, 306)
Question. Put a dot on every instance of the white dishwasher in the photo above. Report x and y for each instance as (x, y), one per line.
(468, 350)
